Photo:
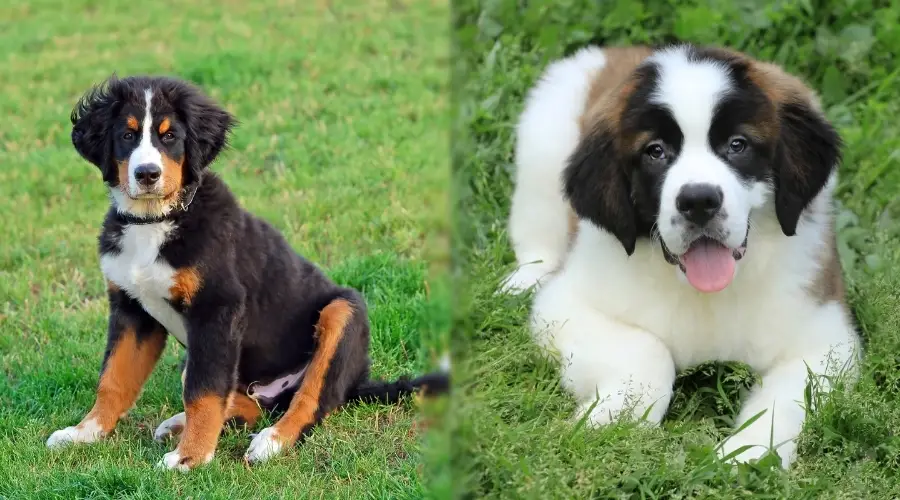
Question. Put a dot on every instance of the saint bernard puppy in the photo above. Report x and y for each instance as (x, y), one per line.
(673, 206)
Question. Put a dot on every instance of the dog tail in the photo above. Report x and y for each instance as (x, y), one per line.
(390, 392)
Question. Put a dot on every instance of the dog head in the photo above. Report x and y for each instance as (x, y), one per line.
(151, 137)
(686, 143)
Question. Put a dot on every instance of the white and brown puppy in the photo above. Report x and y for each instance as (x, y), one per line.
(675, 207)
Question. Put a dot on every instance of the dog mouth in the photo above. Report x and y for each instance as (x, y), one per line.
(152, 194)
(147, 196)
(708, 264)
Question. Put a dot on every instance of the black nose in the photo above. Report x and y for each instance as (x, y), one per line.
(147, 174)
(699, 202)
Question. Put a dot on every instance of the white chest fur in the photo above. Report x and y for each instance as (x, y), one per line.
(138, 271)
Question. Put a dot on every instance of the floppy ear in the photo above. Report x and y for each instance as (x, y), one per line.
(91, 119)
(809, 152)
(208, 126)
(598, 189)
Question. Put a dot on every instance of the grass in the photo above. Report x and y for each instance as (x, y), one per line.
(342, 146)
(514, 437)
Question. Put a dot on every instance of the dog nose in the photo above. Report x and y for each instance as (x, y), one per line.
(699, 202)
(147, 174)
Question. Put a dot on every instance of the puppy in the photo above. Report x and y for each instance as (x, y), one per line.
(182, 258)
(673, 206)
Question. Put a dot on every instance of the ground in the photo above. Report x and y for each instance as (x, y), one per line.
(342, 146)
(513, 433)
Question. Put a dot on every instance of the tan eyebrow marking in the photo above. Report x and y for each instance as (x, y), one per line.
(132, 123)
(164, 126)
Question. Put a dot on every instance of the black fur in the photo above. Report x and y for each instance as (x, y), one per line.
(808, 152)
(616, 188)
(754, 164)
(391, 392)
(597, 185)
(253, 319)
(204, 123)
(91, 119)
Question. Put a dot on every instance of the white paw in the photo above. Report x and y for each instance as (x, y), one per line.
(622, 405)
(606, 412)
(172, 426)
(264, 446)
(757, 448)
(85, 432)
(527, 276)
(174, 461)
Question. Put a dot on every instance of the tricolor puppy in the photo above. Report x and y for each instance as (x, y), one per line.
(262, 326)
(674, 206)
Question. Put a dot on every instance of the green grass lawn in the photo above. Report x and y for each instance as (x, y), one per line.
(343, 146)
(512, 426)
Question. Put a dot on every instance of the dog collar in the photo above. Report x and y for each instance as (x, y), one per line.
(187, 197)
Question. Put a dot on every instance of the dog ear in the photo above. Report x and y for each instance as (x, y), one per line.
(597, 186)
(809, 153)
(208, 127)
(91, 120)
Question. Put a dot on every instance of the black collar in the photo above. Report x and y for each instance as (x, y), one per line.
(187, 197)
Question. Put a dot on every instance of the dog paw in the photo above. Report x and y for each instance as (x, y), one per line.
(264, 446)
(617, 407)
(755, 450)
(85, 432)
(607, 411)
(600, 415)
(174, 460)
(730, 446)
(527, 276)
(170, 427)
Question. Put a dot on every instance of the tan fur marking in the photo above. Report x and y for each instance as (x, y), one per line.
(126, 370)
(635, 142)
(612, 85)
(186, 284)
(781, 87)
(762, 132)
(238, 406)
(173, 176)
(164, 126)
(132, 123)
(243, 407)
(204, 418)
(123, 174)
(112, 287)
(330, 329)
(829, 283)
(573, 224)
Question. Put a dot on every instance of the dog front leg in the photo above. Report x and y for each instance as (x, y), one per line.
(211, 376)
(134, 344)
(778, 402)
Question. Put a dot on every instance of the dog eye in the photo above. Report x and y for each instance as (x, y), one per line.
(655, 151)
(168, 136)
(737, 145)
(128, 136)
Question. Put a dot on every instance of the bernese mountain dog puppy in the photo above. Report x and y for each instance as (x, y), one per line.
(262, 327)
(674, 206)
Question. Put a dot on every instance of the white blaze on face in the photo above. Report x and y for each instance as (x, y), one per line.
(145, 152)
(692, 91)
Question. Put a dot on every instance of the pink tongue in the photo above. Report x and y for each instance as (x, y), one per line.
(709, 266)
